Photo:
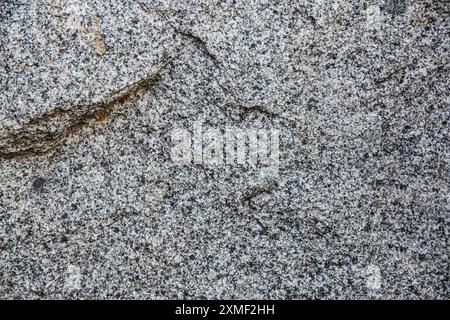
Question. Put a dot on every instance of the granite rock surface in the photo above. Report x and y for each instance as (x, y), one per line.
(92, 204)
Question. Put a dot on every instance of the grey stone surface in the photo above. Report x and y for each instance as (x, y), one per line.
(93, 206)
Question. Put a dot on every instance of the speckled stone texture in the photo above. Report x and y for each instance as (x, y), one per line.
(92, 205)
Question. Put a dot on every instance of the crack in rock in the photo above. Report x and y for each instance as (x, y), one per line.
(42, 134)
(198, 42)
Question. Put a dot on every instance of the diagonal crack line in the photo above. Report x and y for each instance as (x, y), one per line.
(33, 140)
(259, 109)
(198, 42)
(388, 77)
(392, 74)
(248, 196)
(243, 111)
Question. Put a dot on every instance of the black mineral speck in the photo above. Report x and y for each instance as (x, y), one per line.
(38, 184)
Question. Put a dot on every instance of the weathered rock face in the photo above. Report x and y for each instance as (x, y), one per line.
(93, 205)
